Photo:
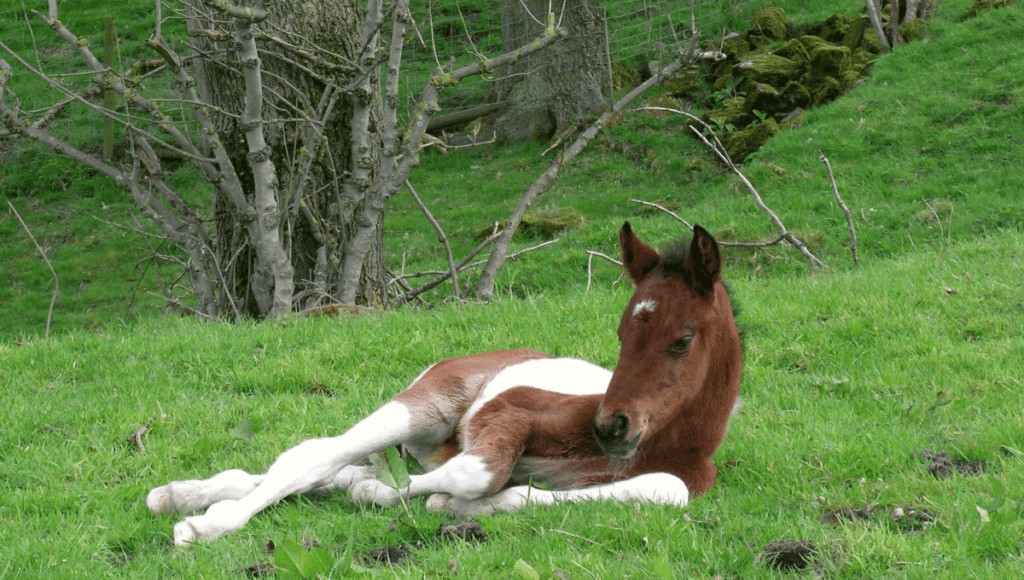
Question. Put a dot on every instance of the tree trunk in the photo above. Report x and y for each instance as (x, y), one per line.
(314, 224)
(548, 91)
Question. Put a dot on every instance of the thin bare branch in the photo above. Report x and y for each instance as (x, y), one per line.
(440, 237)
(846, 211)
(719, 150)
(42, 252)
(663, 209)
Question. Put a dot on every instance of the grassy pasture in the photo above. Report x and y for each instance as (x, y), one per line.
(849, 374)
(847, 378)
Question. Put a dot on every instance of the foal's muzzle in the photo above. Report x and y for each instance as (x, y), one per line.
(612, 436)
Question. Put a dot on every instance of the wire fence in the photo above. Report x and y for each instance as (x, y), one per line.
(633, 32)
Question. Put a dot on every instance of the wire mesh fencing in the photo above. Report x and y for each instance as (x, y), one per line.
(633, 32)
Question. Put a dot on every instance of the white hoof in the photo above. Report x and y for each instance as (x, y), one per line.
(438, 503)
(222, 518)
(194, 495)
(373, 491)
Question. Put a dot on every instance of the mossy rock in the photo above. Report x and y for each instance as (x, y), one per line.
(870, 41)
(795, 51)
(860, 58)
(696, 165)
(795, 96)
(773, 102)
(855, 32)
(834, 28)
(663, 101)
(681, 83)
(740, 144)
(770, 69)
(623, 77)
(914, 30)
(828, 60)
(732, 112)
(736, 48)
(764, 98)
(772, 23)
(812, 42)
(793, 119)
(722, 82)
(665, 203)
(980, 6)
(542, 223)
(825, 90)
(849, 79)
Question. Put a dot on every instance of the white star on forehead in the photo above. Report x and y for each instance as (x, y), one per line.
(647, 305)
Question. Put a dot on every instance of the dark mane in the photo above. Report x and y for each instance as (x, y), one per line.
(675, 258)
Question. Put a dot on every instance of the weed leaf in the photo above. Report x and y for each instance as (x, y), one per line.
(391, 470)
(525, 571)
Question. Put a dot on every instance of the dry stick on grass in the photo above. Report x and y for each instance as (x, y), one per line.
(849, 220)
(666, 210)
(56, 280)
(440, 237)
(590, 262)
(464, 266)
(136, 437)
(718, 149)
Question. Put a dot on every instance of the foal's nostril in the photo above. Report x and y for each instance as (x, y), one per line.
(614, 432)
(619, 427)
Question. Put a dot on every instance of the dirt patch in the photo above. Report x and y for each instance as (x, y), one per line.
(790, 555)
(941, 465)
(905, 519)
(465, 531)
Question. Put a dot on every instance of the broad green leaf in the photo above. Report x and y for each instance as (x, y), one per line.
(524, 570)
(391, 469)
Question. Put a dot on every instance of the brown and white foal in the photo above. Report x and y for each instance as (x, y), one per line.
(485, 425)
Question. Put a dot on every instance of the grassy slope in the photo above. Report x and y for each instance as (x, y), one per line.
(847, 374)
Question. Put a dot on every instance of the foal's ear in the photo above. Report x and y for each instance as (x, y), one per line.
(637, 257)
(705, 261)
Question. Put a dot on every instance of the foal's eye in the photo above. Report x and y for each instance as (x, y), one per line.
(680, 346)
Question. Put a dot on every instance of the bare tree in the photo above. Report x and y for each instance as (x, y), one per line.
(302, 150)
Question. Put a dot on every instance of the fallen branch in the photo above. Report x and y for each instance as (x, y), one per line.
(440, 237)
(56, 280)
(660, 208)
(718, 149)
(590, 262)
(136, 437)
(849, 220)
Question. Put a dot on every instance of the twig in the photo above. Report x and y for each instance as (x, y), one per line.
(590, 262)
(463, 265)
(660, 208)
(56, 279)
(849, 220)
(440, 237)
(718, 149)
(136, 437)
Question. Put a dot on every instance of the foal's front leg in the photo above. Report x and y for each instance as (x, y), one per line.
(309, 467)
(658, 488)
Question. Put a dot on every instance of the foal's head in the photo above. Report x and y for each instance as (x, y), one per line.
(680, 346)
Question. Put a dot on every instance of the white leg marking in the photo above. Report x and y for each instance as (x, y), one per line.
(660, 488)
(190, 496)
(309, 466)
(465, 476)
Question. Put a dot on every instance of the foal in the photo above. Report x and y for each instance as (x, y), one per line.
(485, 425)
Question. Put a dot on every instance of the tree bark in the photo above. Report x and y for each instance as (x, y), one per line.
(307, 211)
(560, 86)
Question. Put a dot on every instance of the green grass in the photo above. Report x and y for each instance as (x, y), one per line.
(846, 377)
(848, 374)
